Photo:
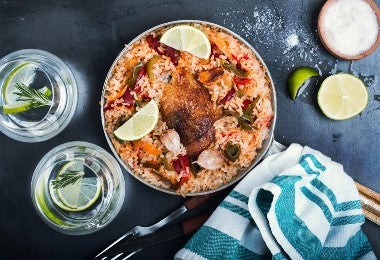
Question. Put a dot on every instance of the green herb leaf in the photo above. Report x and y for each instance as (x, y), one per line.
(28, 94)
(70, 177)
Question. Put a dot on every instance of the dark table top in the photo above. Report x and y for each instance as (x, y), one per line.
(89, 34)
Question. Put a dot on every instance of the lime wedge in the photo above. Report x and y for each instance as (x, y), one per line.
(77, 196)
(188, 38)
(342, 96)
(298, 78)
(41, 202)
(15, 108)
(23, 74)
(140, 124)
(18, 107)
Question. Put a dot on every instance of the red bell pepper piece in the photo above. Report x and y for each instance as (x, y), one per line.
(246, 103)
(245, 57)
(177, 166)
(185, 162)
(146, 97)
(241, 81)
(185, 170)
(107, 106)
(128, 98)
(228, 96)
(142, 73)
(215, 51)
(185, 175)
(154, 43)
(172, 54)
(182, 166)
(235, 58)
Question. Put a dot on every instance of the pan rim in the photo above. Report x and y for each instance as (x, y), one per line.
(261, 152)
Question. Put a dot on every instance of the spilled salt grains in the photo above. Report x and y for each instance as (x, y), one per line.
(292, 40)
(350, 27)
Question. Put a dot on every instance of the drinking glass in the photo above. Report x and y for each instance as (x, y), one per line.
(44, 70)
(89, 201)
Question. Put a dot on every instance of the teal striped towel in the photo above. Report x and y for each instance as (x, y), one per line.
(296, 204)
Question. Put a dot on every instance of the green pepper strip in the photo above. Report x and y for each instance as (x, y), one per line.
(238, 72)
(232, 151)
(136, 70)
(149, 66)
(194, 168)
(249, 109)
(244, 124)
(166, 164)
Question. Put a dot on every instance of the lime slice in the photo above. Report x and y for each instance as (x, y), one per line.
(298, 78)
(23, 74)
(42, 204)
(140, 124)
(77, 196)
(188, 38)
(342, 96)
(15, 108)
(18, 107)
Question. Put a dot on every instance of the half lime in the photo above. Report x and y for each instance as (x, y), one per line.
(342, 96)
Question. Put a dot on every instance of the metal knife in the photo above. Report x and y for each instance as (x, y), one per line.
(175, 231)
(138, 231)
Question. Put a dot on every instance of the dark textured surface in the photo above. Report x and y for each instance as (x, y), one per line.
(88, 35)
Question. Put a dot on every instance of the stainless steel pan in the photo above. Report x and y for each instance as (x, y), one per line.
(260, 153)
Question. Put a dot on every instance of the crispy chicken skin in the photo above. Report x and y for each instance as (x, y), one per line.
(186, 106)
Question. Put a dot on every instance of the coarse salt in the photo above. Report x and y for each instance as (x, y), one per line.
(292, 40)
(350, 27)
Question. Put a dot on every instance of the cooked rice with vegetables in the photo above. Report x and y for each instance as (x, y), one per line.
(214, 113)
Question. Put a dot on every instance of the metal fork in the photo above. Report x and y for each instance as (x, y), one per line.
(138, 231)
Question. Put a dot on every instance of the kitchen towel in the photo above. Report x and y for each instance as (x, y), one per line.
(296, 204)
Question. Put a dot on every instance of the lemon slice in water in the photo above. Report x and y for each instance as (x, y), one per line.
(79, 195)
(140, 124)
(342, 96)
(188, 38)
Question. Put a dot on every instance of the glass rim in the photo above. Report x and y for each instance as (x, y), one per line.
(109, 161)
(24, 134)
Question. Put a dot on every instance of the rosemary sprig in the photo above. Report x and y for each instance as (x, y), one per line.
(31, 95)
(70, 177)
